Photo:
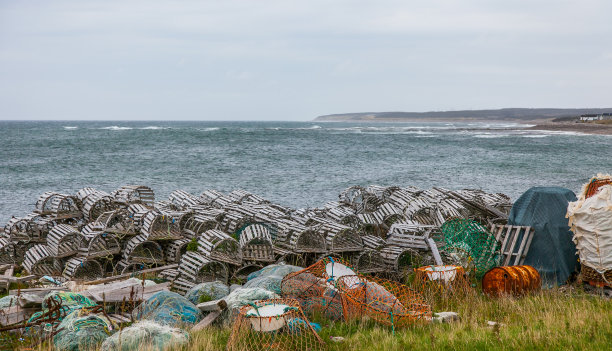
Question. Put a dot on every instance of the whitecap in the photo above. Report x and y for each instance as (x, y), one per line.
(116, 128)
(154, 127)
(490, 136)
(209, 129)
(70, 127)
(536, 136)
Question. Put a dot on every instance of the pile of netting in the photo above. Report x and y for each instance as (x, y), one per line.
(470, 245)
(387, 302)
(55, 307)
(315, 287)
(277, 324)
(168, 308)
(270, 277)
(146, 335)
(208, 291)
(82, 331)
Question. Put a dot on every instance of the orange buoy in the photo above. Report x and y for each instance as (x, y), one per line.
(514, 280)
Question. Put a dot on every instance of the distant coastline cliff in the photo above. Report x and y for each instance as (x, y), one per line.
(505, 114)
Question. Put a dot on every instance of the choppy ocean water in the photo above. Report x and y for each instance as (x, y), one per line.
(297, 164)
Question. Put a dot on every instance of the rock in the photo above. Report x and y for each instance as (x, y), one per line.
(446, 317)
(336, 338)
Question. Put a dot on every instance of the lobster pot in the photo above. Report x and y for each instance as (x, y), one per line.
(39, 260)
(209, 196)
(182, 285)
(372, 242)
(96, 204)
(401, 259)
(169, 274)
(511, 280)
(197, 268)
(117, 222)
(299, 239)
(387, 302)
(244, 197)
(343, 214)
(219, 246)
(140, 250)
(222, 201)
(80, 268)
(175, 249)
(388, 214)
(402, 197)
(19, 229)
(427, 216)
(65, 206)
(197, 224)
(97, 242)
(369, 261)
(43, 204)
(159, 226)
(134, 194)
(443, 281)
(41, 226)
(7, 251)
(340, 238)
(239, 274)
(256, 244)
(277, 322)
(125, 267)
(408, 235)
(234, 222)
(359, 199)
(63, 240)
(315, 286)
(183, 199)
(138, 212)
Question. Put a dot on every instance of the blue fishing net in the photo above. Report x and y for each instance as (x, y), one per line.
(68, 301)
(168, 308)
(280, 270)
(146, 335)
(207, 292)
(81, 331)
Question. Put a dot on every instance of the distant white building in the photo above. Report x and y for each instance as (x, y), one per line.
(596, 117)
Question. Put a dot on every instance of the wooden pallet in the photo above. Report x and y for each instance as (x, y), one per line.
(513, 252)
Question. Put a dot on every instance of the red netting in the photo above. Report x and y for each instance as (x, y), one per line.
(594, 185)
(276, 324)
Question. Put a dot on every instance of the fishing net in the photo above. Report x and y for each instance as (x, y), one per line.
(244, 296)
(146, 335)
(207, 292)
(55, 307)
(168, 308)
(81, 331)
(470, 245)
(384, 301)
(441, 281)
(277, 324)
(279, 270)
(315, 287)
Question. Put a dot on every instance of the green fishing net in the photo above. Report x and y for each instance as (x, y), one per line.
(80, 331)
(68, 302)
(146, 335)
(471, 245)
(169, 308)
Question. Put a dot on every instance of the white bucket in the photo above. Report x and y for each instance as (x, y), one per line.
(267, 318)
(443, 273)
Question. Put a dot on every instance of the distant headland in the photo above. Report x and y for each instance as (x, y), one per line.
(525, 115)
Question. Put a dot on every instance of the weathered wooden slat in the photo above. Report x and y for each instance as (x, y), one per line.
(128, 275)
(215, 305)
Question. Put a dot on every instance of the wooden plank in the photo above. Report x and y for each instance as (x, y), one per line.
(15, 314)
(515, 234)
(41, 292)
(434, 250)
(136, 292)
(519, 253)
(129, 275)
(528, 245)
(18, 279)
(215, 305)
(207, 321)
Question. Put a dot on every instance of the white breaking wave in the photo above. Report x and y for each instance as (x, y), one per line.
(116, 128)
(209, 129)
(491, 136)
(154, 128)
(70, 128)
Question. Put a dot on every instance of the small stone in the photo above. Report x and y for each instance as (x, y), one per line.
(336, 338)
(493, 324)
(446, 317)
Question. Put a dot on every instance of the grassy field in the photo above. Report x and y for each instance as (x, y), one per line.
(549, 320)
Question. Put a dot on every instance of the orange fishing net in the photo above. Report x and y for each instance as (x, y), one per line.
(384, 301)
(315, 287)
(275, 324)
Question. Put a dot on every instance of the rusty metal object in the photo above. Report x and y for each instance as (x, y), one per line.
(512, 280)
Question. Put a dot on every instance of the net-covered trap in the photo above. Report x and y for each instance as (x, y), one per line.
(385, 301)
(275, 324)
(315, 287)
(470, 245)
(441, 281)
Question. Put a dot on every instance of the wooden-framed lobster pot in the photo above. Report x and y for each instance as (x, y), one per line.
(117, 222)
(402, 259)
(64, 240)
(239, 274)
(97, 242)
(61, 206)
(194, 224)
(183, 199)
(7, 251)
(140, 250)
(369, 261)
(299, 238)
(219, 246)
(135, 194)
(234, 221)
(256, 244)
(340, 238)
(96, 204)
(160, 226)
(20, 229)
(82, 268)
(199, 269)
(125, 267)
(175, 249)
(40, 261)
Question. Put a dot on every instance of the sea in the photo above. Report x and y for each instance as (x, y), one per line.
(295, 164)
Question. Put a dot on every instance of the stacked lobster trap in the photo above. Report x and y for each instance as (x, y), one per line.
(385, 231)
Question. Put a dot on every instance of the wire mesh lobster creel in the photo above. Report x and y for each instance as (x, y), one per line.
(219, 246)
(275, 324)
(39, 260)
(441, 281)
(80, 268)
(387, 302)
(64, 240)
(470, 245)
(199, 269)
(315, 286)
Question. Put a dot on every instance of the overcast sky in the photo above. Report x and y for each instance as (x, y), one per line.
(295, 60)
